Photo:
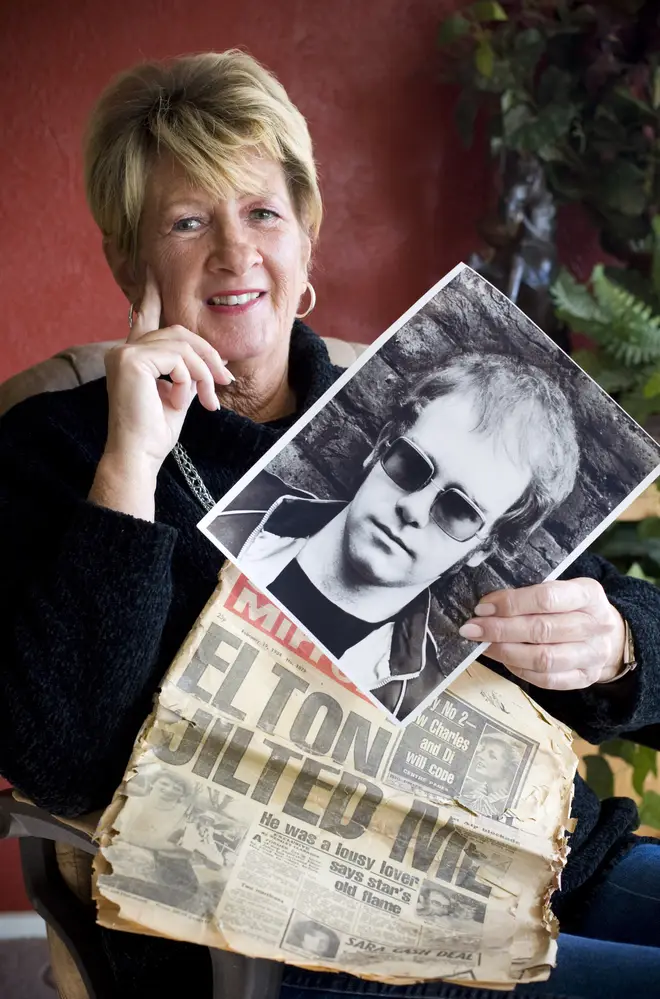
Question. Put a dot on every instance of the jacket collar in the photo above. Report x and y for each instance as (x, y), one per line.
(300, 517)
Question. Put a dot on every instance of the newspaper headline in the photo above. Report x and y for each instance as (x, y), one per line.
(271, 809)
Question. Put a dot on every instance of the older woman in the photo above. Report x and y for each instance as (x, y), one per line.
(201, 179)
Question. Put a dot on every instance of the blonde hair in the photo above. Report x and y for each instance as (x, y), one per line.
(207, 111)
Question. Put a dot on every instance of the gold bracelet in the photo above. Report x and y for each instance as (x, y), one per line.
(629, 658)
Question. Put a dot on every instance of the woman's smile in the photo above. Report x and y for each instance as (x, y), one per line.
(234, 302)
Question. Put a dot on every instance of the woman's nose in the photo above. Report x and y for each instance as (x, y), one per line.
(233, 251)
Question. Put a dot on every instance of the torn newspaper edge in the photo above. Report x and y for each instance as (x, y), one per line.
(269, 808)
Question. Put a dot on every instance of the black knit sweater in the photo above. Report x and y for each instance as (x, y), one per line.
(95, 605)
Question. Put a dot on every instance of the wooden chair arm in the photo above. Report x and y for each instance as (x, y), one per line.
(20, 819)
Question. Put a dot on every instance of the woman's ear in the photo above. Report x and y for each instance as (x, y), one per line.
(305, 257)
(123, 270)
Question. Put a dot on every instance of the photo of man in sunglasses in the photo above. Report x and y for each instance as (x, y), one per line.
(470, 462)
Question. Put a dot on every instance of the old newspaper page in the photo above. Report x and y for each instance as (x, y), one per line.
(271, 809)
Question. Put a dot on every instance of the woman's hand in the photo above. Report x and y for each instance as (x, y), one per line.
(145, 412)
(560, 635)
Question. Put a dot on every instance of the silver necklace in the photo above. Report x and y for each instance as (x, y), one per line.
(192, 477)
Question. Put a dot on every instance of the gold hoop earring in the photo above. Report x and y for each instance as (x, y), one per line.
(312, 301)
(130, 316)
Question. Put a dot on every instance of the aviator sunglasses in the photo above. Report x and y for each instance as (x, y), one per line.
(411, 470)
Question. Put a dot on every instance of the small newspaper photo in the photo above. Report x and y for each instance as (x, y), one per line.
(271, 809)
(462, 453)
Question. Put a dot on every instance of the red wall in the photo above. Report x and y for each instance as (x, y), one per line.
(401, 195)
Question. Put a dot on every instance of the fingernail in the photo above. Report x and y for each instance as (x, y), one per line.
(485, 610)
(232, 378)
(471, 631)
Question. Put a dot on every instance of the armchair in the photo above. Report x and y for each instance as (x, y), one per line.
(56, 858)
(56, 855)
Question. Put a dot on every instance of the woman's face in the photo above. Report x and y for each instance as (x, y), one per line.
(232, 270)
(491, 760)
(167, 793)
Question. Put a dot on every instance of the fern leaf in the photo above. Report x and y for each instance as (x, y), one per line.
(633, 333)
(632, 340)
(616, 300)
(574, 302)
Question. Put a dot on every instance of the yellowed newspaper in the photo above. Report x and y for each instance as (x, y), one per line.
(271, 809)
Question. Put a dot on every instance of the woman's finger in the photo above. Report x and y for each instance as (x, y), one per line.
(540, 629)
(559, 596)
(573, 679)
(180, 391)
(545, 659)
(147, 317)
(176, 395)
(180, 363)
(186, 366)
(180, 334)
(219, 372)
(201, 374)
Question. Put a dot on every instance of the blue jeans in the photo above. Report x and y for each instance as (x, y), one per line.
(614, 951)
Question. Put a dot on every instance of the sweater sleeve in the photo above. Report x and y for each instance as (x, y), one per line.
(607, 711)
(85, 592)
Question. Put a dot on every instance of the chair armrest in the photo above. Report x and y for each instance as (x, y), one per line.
(19, 819)
(342, 352)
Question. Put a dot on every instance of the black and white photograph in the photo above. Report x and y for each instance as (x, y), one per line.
(463, 453)
(491, 777)
(311, 937)
(470, 758)
(178, 844)
(458, 917)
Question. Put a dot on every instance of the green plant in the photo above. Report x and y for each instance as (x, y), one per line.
(642, 761)
(633, 547)
(576, 84)
(620, 310)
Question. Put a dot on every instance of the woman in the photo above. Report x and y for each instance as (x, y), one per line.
(491, 774)
(201, 178)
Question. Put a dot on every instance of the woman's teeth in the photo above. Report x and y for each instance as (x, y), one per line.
(234, 299)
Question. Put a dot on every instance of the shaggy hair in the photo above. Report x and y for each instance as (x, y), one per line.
(528, 413)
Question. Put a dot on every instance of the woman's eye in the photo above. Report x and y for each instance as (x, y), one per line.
(187, 225)
(264, 214)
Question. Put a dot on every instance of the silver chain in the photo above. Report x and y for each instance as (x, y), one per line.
(192, 477)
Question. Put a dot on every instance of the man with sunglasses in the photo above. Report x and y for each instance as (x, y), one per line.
(470, 462)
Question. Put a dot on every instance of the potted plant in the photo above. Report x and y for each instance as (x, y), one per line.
(572, 91)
